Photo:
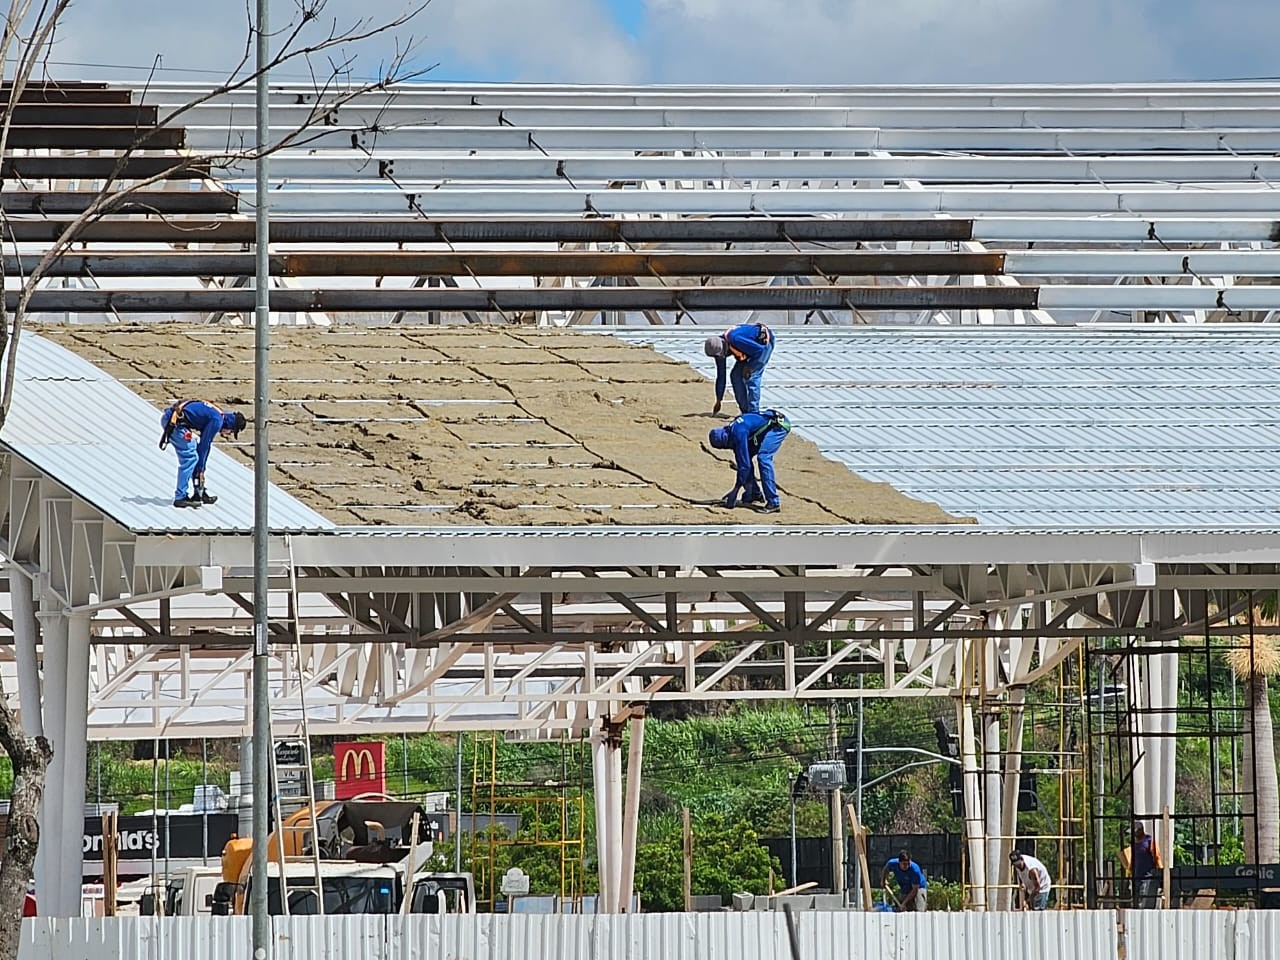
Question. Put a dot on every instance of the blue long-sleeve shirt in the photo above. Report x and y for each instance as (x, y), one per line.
(745, 344)
(206, 419)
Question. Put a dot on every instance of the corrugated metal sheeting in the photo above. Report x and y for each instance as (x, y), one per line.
(1202, 935)
(1167, 428)
(1067, 935)
(88, 432)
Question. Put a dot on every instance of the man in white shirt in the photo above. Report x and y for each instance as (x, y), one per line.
(1033, 880)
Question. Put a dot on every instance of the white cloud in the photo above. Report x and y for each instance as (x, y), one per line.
(910, 41)
(728, 41)
(555, 40)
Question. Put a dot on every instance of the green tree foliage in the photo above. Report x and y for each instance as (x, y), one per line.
(727, 859)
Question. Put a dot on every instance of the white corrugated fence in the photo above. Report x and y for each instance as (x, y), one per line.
(753, 935)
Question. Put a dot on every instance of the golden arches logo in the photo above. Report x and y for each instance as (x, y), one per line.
(361, 758)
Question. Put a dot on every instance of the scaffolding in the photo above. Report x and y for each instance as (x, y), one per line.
(1023, 777)
(547, 812)
(1199, 729)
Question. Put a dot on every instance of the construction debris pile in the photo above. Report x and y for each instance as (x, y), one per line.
(496, 425)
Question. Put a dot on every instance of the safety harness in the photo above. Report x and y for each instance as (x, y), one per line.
(776, 421)
(175, 419)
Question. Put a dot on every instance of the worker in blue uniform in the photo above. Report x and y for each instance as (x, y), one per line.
(751, 346)
(191, 425)
(754, 438)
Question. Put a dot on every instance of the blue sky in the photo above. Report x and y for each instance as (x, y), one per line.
(728, 41)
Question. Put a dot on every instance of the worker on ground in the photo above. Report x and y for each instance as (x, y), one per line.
(1144, 859)
(754, 438)
(751, 345)
(911, 882)
(191, 425)
(1033, 880)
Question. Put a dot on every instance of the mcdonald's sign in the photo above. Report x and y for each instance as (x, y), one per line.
(359, 767)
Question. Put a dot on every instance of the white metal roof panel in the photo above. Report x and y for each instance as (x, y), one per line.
(1085, 428)
(95, 437)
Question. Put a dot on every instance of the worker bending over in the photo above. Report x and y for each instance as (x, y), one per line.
(1032, 878)
(751, 345)
(191, 425)
(911, 883)
(754, 438)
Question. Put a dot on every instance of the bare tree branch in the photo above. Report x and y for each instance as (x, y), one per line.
(27, 39)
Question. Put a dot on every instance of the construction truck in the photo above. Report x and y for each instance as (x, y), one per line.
(344, 857)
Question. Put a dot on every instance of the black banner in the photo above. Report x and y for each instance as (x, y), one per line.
(178, 836)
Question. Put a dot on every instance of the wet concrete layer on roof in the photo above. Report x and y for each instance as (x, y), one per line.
(493, 425)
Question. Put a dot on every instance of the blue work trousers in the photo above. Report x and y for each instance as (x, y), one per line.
(769, 445)
(184, 441)
(746, 387)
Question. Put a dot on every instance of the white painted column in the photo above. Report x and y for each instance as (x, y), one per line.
(26, 637)
(606, 769)
(631, 815)
(1012, 786)
(615, 825)
(75, 747)
(49, 857)
(992, 794)
(598, 782)
(973, 820)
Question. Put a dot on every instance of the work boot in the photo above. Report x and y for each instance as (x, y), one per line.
(768, 508)
(204, 496)
(187, 502)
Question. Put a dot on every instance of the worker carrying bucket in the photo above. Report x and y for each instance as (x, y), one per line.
(191, 425)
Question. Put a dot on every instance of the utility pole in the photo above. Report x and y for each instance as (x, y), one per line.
(261, 531)
(837, 807)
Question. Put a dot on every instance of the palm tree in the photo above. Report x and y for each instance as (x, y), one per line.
(1253, 664)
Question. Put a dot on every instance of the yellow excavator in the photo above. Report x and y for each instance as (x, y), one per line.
(367, 859)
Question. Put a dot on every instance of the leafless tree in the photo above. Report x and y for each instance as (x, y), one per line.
(327, 50)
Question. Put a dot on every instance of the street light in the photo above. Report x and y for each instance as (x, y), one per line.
(799, 784)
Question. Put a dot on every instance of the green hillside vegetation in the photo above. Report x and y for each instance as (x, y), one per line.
(732, 771)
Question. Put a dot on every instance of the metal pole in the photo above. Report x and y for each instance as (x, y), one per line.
(262, 330)
(404, 756)
(457, 820)
(794, 882)
(857, 795)
(204, 801)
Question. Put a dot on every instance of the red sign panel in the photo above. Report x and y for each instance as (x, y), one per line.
(359, 768)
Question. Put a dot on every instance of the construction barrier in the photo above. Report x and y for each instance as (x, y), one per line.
(752, 935)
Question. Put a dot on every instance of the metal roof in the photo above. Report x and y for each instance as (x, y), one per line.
(95, 437)
(1157, 428)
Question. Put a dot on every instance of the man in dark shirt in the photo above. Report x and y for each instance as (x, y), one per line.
(1144, 857)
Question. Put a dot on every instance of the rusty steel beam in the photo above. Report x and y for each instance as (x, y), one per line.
(96, 138)
(54, 114)
(68, 93)
(482, 230)
(365, 263)
(150, 201)
(687, 299)
(99, 168)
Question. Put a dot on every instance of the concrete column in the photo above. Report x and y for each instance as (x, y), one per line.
(49, 858)
(605, 850)
(614, 755)
(973, 819)
(75, 747)
(26, 636)
(631, 815)
(1012, 786)
(992, 794)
